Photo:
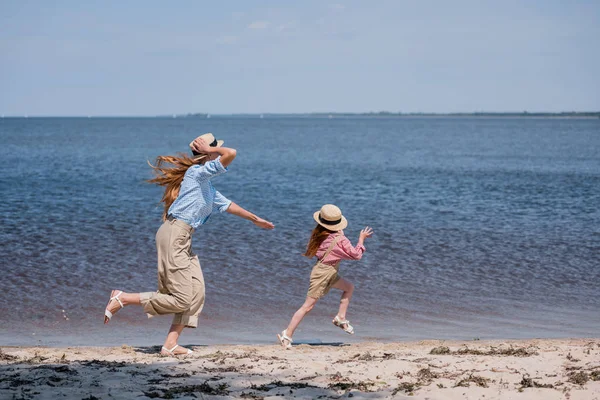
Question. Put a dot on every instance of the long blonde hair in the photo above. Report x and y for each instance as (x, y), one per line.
(319, 234)
(171, 177)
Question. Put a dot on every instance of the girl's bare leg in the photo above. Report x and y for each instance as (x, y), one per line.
(347, 287)
(308, 305)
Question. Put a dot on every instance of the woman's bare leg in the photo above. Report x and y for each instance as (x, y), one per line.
(308, 305)
(348, 288)
(171, 341)
(128, 299)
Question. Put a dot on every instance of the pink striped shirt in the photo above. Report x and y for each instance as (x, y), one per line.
(343, 249)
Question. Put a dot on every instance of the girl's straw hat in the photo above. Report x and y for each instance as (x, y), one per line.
(208, 138)
(330, 217)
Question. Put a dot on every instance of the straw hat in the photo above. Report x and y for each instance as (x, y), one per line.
(330, 217)
(208, 138)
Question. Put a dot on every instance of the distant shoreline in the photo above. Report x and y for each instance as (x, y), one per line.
(383, 114)
(402, 115)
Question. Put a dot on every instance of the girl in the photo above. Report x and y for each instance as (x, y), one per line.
(329, 244)
(189, 200)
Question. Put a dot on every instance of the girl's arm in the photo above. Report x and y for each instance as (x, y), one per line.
(347, 251)
(240, 212)
(355, 252)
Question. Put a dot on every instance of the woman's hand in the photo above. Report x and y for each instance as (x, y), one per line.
(227, 154)
(365, 233)
(261, 223)
(256, 220)
(200, 146)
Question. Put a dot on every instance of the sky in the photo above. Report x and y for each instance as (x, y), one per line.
(80, 58)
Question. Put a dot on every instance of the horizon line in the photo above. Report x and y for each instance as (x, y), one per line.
(316, 113)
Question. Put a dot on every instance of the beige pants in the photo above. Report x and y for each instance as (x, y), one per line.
(180, 280)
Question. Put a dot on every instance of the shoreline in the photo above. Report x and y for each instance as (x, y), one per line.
(432, 369)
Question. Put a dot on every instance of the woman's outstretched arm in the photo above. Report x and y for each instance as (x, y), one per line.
(240, 212)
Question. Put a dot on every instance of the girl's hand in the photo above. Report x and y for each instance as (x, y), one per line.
(263, 224)
(365, 233)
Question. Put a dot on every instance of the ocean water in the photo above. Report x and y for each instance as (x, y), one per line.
(484, 227)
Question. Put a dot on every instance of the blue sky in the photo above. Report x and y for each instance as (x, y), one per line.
(151, 57)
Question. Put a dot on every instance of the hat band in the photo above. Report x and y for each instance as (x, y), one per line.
(213, 144)
(324, 221)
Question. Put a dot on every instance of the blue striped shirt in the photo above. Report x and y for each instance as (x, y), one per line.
(197, 197)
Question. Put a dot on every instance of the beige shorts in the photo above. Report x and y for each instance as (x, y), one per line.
(322, 278)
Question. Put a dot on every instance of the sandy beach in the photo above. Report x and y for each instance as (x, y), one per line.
(500, 369)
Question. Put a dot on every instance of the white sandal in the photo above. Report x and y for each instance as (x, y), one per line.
(340, 324)
(285, 340)
(170, 352)
(107, 314)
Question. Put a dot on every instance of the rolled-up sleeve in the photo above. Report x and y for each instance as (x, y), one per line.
(351, 252)
(221, 202)
(209, 170)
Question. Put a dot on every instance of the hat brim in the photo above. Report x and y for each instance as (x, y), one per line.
(200, 156)
(337, 227)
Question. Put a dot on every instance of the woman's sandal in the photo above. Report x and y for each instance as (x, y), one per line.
(107, 314)
(285, 340)
(170, 353)
(343, 324)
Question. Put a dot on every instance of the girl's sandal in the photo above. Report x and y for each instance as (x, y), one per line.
(285, 340)
(107, 314)
(164, 352)
(343, 324)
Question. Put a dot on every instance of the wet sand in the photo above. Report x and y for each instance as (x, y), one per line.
(500, 369)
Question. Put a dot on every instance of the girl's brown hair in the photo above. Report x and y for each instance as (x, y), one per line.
(319, 234)
(171, 177)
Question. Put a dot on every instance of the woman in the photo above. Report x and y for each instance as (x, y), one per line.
(189, 200)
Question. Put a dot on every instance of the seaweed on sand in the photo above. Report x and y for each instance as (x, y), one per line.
(112, 365)
(7, 357)
(579, 378)
(493, 351)
(478, 380)
(349, 385)
(406, 387)
(367, 356)
(440, 350)
(528, 382)
(426, 376)
(36, 359)
(275, 384)
(205, 388)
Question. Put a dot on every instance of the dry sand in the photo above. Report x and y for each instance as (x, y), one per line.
(523, 369)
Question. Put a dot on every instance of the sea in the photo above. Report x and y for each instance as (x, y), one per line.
(484, 227)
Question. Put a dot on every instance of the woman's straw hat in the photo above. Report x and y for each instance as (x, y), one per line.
(330, 217)
(208, 138)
